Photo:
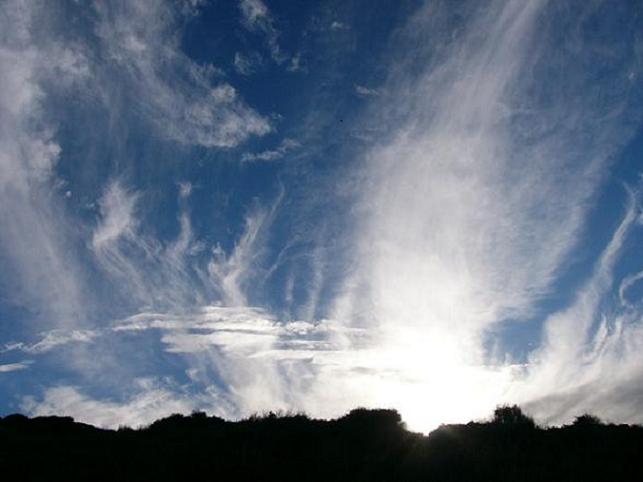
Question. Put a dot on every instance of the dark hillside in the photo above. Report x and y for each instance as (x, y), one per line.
(363, 445)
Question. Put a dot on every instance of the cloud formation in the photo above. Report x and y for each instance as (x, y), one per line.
(365, 91)
(34, 245)
(175, 93)
(247, 64)
(12, 367)
(53, 340)
(587, 362)
(256, 17)
(152, 401)
(278, 152)
(474, 201)
(457, 217)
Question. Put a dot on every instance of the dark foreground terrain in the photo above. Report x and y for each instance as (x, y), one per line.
(363, 445)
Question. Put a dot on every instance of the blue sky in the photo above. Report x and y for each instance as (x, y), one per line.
(242, 206)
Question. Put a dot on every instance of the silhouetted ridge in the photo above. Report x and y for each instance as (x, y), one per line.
(362, 445)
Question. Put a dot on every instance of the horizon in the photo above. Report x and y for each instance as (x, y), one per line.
(264, 205)
(510, 415)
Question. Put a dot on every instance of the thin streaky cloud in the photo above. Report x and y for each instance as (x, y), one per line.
(12, 367)
(286, 146)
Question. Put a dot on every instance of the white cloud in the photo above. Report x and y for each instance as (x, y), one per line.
(146, 271)
(365, 91)
(185, 189)
(247, 64)
(117, 215)
(12, 367)
(335, 25)
(279, 152)
(239, 332)
(175, 276)
(141, 41)
(458, 199)
(254, 12)
(295, 63)
(231, 271)
(52, 340)
(588, 360)
(44, 273)
(626, 284)
(469, 206)
(473, 199)
(150, 401)
(264, 363)
(256, 17)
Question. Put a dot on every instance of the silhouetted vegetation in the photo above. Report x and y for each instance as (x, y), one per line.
(363, 445)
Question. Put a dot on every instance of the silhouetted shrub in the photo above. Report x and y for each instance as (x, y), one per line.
(512, 415)
(364, 445)
(587, 420)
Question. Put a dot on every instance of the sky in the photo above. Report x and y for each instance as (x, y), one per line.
(266, 205)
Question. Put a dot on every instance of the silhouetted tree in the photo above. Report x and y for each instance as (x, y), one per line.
(587, 420)
(364, 445)
(512, 415)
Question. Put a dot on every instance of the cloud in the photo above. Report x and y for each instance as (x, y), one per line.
(174, 92)
(247, 64)
(335, 25)
(231, 271)
(139, 49)
(463, 213)
(257, 18)
(626, 284)
(474, 196)
(263, 363)
(177, 274)
(146, 271)
(588, 360)
(279, 152)
(117, 213)
(239, 332)
(477, 167)
(52, 340)
(12, 367)
(365, 91)
(44, 273)
(185, 189)
(295, 63)
(152, 399)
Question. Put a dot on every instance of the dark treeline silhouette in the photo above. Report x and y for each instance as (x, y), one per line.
(363, 445)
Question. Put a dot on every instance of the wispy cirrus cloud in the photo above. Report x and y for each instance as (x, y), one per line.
(53, 340)
(467, 184)
(363, 91)
(256, 17)
(182, 273)
(231, 272)
(588, 359)
(152, 399)
(278, 152)
(13, 367)
(239, 331)
(472, 194)
(139, 46)
(174, 92)
(34, 246)
(150, 273)
(247, 64)
(336, 25)
(117, 215)
(53, 259)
